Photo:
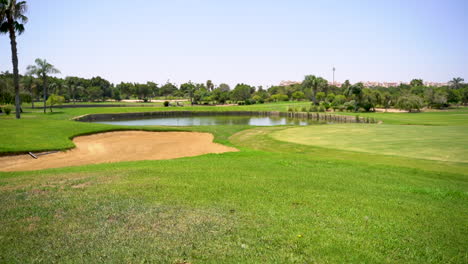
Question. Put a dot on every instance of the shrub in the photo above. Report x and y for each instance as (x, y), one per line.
(298, 95)
(279, 97)
(250, 102)
(325, 105)
(321, 108)
(349, 106)
(313, 108)
(290, 109)
(7, 109)
(304, 109)
(166, 103)
(55, 100)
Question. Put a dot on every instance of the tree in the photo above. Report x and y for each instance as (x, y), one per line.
(355, 91)
(410, 102)
(386, 100)
(55, 100)
(94, 93)
(209, 85)
(11, 21)
(312, 85)
(321, 96)
(454, 96)
(188, 89)
(346, 85)
(241, 92)
(29, 85)
(143, 91)
(279, 97)
(330, 97)
(298, 95)
(220, 95)
(456, 83)
(369, 99)
(42, 69)
(338, 101)
(224, 87)
(153, 87)
(126, 89)
(168, 89)
(416, 82)
(104, 85)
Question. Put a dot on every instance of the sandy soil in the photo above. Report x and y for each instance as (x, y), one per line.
(120, 146)
(390, 110)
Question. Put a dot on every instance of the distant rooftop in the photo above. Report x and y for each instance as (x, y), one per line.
(370, 84)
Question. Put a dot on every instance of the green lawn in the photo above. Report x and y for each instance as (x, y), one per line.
(446, 143)
(272, 202)
(456, 117)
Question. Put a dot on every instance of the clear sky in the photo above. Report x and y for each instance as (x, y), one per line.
(256, 42)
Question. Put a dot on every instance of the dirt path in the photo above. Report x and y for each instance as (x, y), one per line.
(120, 146)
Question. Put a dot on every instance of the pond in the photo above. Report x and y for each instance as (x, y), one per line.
(211, 121)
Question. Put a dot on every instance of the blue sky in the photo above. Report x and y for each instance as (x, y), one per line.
(256, 42)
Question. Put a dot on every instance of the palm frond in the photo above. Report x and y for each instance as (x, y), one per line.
(18, 27)
(4, 27)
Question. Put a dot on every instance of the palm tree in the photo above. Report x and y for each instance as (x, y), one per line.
(42, 69)
(313, 84)
(456, 82)
(356, 91)
(12, 20)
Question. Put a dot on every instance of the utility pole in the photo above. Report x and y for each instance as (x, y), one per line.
(333, 75)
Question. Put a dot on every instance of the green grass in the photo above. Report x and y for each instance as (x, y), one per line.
(272, 202)
(446, 143)
(457, 117)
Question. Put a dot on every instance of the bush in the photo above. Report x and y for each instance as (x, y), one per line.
(313, 108)
(304, 109)
(298, 95)
(7, 109)
(279, 97)
(349, 106)
(241, 103)
(326, 105)
(321, 108)
(166, 103)
(250, 102)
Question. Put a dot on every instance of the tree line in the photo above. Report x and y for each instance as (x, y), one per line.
(37, 85)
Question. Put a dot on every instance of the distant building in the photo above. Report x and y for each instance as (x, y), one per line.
(287, 83)
(371, 84)
(337, 84)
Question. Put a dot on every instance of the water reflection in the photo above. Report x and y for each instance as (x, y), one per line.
(212, 121)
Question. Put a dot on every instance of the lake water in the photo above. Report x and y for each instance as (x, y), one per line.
(211, 121)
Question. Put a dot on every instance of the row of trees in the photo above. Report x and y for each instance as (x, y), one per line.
(352, 97)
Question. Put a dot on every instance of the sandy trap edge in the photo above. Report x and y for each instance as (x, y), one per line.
(120, 146)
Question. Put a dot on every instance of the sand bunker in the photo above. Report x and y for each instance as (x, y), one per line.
(120, 146)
